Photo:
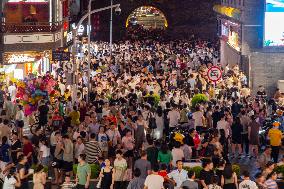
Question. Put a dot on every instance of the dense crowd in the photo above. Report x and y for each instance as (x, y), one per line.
(142, 126)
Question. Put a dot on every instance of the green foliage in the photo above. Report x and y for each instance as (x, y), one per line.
(95, 170)
(198, 98)
(279, 169)
(157, 99)
(195, 169)
(237, 170)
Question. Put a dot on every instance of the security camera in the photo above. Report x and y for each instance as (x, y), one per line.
(117, 10)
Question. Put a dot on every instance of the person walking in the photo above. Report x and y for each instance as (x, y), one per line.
(12, 180)
(23, 171)
(137, 182)
(120, 167)
(253, 135)
(39, 177)
(247, 183)
(154, 181)
(106, 176)
(229, 178)
(143, 165)
(68, 158)
(92, 149)
(83, 175)
(179, 175)
(275, 136)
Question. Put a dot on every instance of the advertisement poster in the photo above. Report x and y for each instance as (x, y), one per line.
(274, 27)
(26, 12)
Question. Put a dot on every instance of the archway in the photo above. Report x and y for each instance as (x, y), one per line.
(147, 17)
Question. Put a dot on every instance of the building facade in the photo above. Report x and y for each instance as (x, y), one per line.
(243, 26)
(29, 31)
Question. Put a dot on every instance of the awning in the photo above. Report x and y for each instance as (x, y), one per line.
(228, 11)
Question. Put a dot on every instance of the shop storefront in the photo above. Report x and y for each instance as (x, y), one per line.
(230, 40)
(20, 64)
(230, 33)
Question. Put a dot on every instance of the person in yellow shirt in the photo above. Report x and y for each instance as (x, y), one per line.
(75, 116)
(275, 136)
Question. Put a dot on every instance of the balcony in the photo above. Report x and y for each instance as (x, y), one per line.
(30, 36)
(30, 27)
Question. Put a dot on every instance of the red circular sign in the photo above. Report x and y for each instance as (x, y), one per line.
(214, 73)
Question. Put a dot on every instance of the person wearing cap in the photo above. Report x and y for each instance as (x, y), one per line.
(275, 136)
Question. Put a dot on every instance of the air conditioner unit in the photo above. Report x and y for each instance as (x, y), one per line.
(280, 85)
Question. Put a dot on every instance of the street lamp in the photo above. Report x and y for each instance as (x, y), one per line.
(75, 32)
(89, 50)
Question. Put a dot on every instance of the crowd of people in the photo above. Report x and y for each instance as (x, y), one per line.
(141, 98)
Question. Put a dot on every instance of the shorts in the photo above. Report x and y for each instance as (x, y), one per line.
(57, 163)
(67, 166)
(20, 123)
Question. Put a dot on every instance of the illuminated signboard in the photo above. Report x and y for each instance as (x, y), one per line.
(274, 27)
(233, 40)
(18, 58)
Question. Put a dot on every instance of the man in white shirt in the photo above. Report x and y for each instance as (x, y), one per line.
(154, 181)
(223, 124)
(179, 175)
(12, 91)
(173, 116)
(247, 183)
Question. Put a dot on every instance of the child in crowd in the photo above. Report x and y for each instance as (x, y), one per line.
(67, 183)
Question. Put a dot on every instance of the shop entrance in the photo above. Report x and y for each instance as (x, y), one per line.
(147, 17)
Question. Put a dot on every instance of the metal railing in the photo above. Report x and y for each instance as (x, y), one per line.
(29, 27)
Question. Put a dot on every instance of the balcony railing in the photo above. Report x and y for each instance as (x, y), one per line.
(29, 27)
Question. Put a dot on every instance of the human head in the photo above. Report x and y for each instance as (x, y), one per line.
(207, 164)
(179, 164)
(25, 140)
(118, 154)
(4, 140)
(272, 175)
(246, 174)
(155, 168)
(143, 155)
(82, 158)
(137, 172)
(39, 168)
(259, 178)
(22, 159)
(107, 162)
(93, 136)
(191, 174)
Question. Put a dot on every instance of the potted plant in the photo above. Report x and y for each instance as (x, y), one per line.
(197, 99)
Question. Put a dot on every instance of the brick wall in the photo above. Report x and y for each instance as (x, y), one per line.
(266, 68)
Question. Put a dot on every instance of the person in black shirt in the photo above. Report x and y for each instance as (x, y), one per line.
(23, 171)
(236, 107)
(237, 130)
(16, 147)
(216, 116)
(207, 174)
(43, 112)
(98, 103)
